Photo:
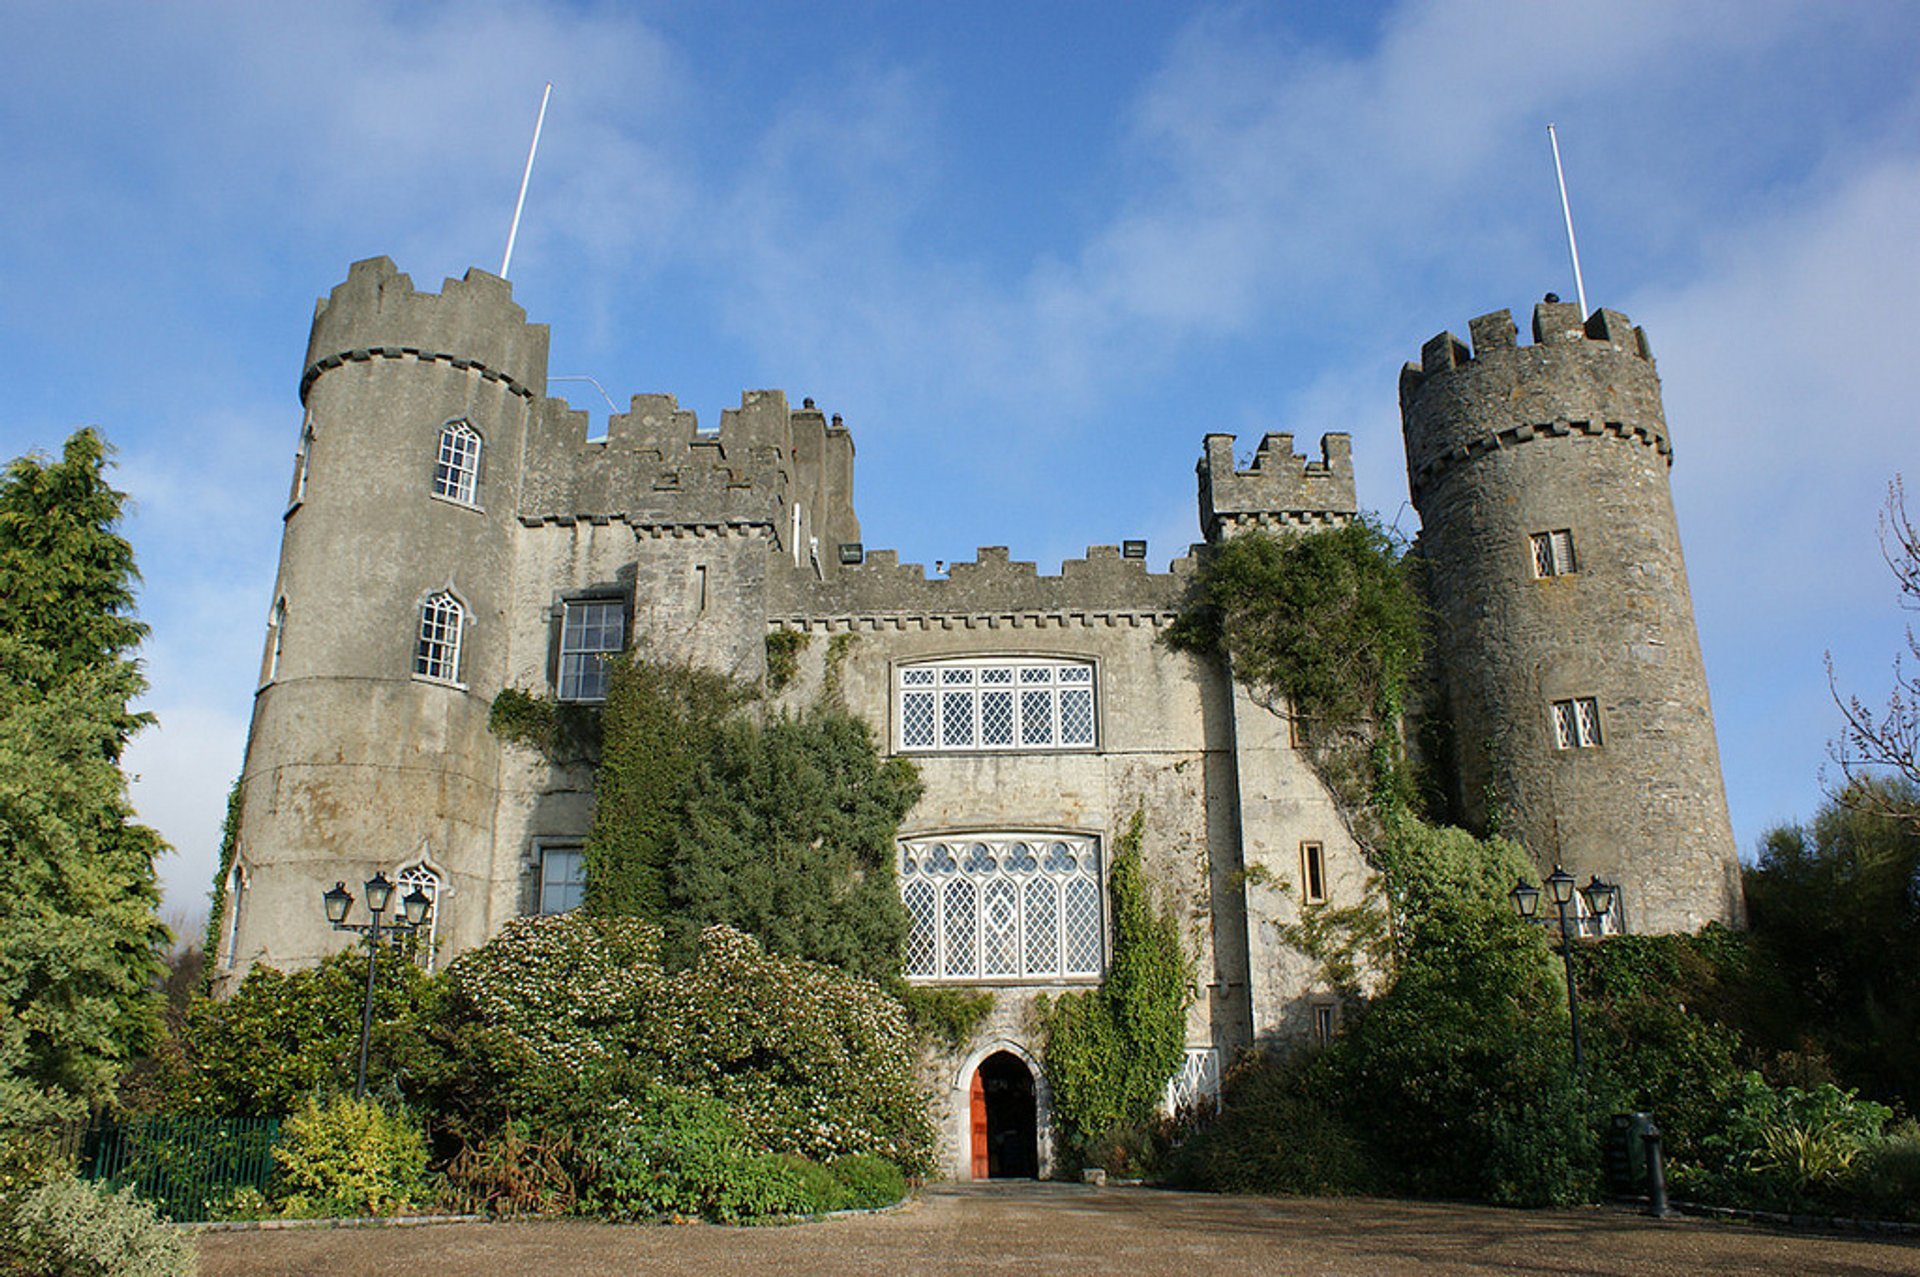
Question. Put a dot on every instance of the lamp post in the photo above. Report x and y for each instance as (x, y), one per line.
(1560, 886)
(413, 914)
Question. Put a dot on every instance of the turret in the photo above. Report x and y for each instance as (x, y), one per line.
(1566, 660)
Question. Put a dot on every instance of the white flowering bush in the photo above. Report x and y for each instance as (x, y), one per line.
(68, 1227)
(565, 1019)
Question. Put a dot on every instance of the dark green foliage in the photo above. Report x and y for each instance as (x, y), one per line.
(1328, 622)
(783, 658)
(1835, 907)
(280, 1039)
(1111, 1052)
(1282, 1134)
(661, 723)
(217, 900)
(563, 733)
(867, 1182)
(80, 946)
(947, 1015)
(680, 1154)
(783, 829)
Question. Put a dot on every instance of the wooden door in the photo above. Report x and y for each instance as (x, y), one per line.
(979, 1125)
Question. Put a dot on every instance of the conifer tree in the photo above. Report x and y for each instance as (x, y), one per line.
(80, 943)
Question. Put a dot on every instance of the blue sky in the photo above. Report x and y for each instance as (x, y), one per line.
(1032, 252)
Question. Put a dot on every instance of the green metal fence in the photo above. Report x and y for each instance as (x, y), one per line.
(186, 1166)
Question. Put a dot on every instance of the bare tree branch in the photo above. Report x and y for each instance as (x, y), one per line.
(1874, 745)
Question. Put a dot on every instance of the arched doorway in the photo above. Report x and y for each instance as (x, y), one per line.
(1005, 1126)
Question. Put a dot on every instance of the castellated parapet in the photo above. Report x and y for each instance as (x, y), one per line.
(1279, 489)
(1565, 654)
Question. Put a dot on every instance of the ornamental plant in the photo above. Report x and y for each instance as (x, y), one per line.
(349, 1157)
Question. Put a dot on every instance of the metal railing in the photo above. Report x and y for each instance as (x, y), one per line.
(185, 1166)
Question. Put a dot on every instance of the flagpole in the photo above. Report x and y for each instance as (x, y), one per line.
(1566, 210)
(513, 232)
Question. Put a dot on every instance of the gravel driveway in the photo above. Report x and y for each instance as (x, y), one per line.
(1063, 1230)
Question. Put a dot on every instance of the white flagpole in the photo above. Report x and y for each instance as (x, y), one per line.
(1566, 210)
(513, 232)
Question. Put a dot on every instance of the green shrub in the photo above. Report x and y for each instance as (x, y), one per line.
(282, 1038)
(559, 1017)
(349, 1157)
(1886, 1176)
(867, 1182)
(68, 1227)
(680, 1154)
(1276, 1133)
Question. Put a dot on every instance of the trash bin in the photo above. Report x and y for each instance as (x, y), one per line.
(1626, 1159)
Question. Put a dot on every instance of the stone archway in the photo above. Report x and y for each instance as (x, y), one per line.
(1004, 1124)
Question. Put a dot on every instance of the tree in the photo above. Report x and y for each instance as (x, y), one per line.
(1836, 905)
(1878, 743)
(80, 943)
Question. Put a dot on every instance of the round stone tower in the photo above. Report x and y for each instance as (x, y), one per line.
(1566, 663)
(369, 747)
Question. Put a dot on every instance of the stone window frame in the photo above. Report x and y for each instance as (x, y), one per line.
(457, 454)
(302, 464)
(440, 638)
(276, 640)
(938, 683)
(1553, 554)
(568, 681)
(1326, 1020)
(936, 868)
(1576, 723)
(1313, 871)
(422, 874)
(556, 853)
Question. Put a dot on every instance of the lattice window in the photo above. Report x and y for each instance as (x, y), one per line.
(590, 631)
(437, 654)
(426, 880)
(1003, 907)
(456, 469)
(1576, 723)
(563, 879)
(982, 704)
(1197, 1084)
(1553, 553)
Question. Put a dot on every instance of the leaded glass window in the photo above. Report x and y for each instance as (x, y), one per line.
(1576, 723)
(456, 468)
(1003, 907)
(1553, 553)
(437, 653)
(1010, 703)
(590, 632)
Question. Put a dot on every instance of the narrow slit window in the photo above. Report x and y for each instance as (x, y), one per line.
(1313, 873)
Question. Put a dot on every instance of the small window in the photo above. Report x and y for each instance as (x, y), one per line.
(456, 471)
(590, 632)
(1576, 723)
(996, 704)
(276, 636)
(236, 901)
(302, 457)
(424, 878)
(1553, 553)
(437, 655)
(1313, 873)
(563, 879)
(1323, 1022)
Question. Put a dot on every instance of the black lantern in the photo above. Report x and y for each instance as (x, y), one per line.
(415, 904)
(1559, 886)
(337, 902)
(379, 893)
(1526, 898)
(1599, 896)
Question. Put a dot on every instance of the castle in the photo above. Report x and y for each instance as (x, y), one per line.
(452, 531)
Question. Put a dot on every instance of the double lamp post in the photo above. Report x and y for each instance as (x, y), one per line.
(1599, 897)
(413, 915)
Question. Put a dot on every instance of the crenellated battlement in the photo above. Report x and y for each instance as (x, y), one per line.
(472, 324)
(994, 589)
(1593, 378)
(1279, 489)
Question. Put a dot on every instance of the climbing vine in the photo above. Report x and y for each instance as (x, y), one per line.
(783, 658)
(1111, 1052)
(1325, 627)
(217, 904)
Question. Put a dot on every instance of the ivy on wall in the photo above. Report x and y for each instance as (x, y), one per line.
(217, 904)
(1111, 1052)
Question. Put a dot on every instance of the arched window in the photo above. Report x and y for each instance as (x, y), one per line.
(276, 637)
(1003, 906)
(456, 470)
(423, 877)
(236, 900)
(437, 655)
(302, 458)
